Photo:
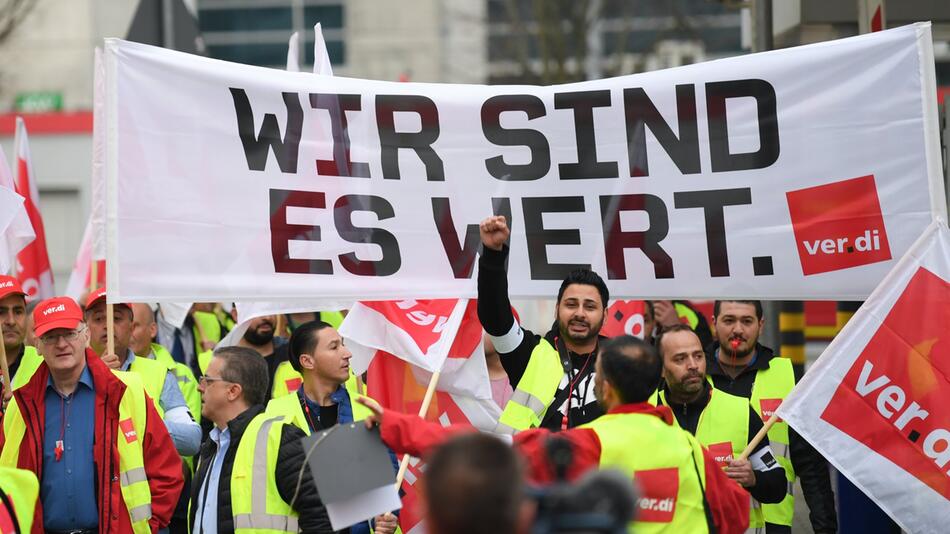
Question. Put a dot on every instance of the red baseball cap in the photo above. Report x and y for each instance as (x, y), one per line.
(10, 286)
(100, 293)
(57, 312)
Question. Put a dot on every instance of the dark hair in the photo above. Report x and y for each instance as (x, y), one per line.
(246, 367)
(585, 277)
(632, 366)
(474, 485)
(756, 303)
(648, 304)
(303, 340)
(669, 330)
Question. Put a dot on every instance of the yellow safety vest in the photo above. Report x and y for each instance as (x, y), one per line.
(671, 478)
(153, 374)
(133, 481)
(288, 406)
(535, 391)
(186, 379)
(255, 502)
(286, 380)
(723, 428)
(332, 318)
(29, 363)
(204, 360)
(22, 489)
(209, 325)
(770, 387)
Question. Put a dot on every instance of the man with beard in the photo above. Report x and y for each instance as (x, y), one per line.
(554, 373)
(260, 336)
(738, 364)
(721, 422)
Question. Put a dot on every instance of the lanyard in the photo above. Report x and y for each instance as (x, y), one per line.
(569, 366)
(64, 412)
(306, 410)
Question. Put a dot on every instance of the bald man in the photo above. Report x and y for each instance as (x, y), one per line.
(144, 330)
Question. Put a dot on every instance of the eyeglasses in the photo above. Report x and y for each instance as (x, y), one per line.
(52, 339)
(205, 379)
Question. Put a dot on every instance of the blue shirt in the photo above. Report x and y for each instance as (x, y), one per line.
(206, 516)
(68, 491)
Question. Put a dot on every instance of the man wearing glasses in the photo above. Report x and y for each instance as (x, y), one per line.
(251, 474)
(86, 431)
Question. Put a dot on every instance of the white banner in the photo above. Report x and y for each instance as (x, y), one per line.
(875, 403)
(800, 173)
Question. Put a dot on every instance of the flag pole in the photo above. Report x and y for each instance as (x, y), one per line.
(430, 392)
(93, 275)
(759, 436)
(5, 367)
(110, 330)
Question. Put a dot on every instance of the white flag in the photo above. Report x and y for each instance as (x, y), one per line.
(19, 233)
(11, 205)
(875, 403)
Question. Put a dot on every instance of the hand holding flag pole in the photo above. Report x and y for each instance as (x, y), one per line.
(759, 436)
(430, 392)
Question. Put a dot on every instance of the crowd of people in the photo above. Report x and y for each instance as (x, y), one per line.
(155, 430)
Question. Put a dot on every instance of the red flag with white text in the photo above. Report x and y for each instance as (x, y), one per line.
(398, 385)
(875, 402)
(433, 335)
(33, 267)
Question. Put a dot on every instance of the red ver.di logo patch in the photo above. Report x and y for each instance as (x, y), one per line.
(838, 225)
(658, 490)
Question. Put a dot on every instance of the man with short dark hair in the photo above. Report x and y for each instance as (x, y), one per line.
(474, 484)
(722, 423)
(633, 436)
(240, 449)
(738, 364)
(324, 397)
(553, 375)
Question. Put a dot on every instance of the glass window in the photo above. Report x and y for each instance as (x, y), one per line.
(327, 16)
(229, 20)
(335, 49)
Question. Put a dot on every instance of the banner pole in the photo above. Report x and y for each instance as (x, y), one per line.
(7, 379)
(93, 276)
(430, 392)
(110, 330)
(759, 436)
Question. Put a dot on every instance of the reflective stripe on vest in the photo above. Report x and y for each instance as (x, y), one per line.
(22, 489)
(255, 502)
(132, 479)
(671, 493)
(129, 435)
(29, 363)
(726, 419)
(289, 407)
(772, 385)
(286, 380)
(535, 391)
(153, 374)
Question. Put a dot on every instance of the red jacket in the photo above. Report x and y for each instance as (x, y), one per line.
(412, 435)
(162, 464)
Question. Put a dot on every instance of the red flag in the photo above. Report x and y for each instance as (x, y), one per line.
(33, 267)
(396, 385)
(433, 335)
(875, 403)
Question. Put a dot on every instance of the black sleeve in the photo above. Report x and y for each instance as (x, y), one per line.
(771, 485)
(290, 463)
(812, 470)
(494, 311)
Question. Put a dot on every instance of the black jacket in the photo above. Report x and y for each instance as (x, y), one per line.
(770, 485)
(810, 466)
(494, 312)
(290, 459)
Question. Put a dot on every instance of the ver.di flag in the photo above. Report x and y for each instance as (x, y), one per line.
(33, 267)
(875, 403)
(19, 233)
